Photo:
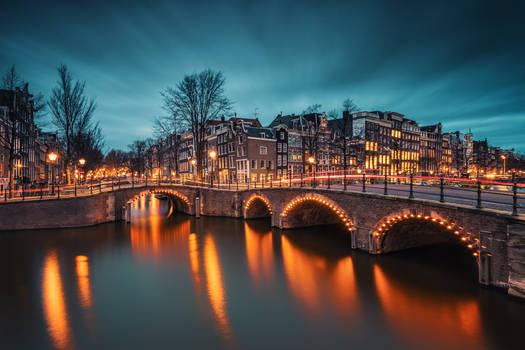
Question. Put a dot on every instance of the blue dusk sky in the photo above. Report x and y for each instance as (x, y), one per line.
(458, 62)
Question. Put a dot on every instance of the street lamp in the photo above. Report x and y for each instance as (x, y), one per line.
(212, 155)
(311, 160)
(52, 158)
(504, 165)
(193, 161)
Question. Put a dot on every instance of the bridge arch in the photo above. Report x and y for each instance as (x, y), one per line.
(257, 206)
(179, 202)
(408, 230)
(311, 210)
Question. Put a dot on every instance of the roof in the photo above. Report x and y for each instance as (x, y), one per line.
(283, 119)
(257, 132)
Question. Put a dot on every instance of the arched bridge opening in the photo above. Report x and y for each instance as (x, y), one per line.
(257, 206)
(163, 202)
(405, 231)
(314, 210)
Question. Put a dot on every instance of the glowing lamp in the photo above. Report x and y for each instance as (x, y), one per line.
(52, 156)
(81, 161)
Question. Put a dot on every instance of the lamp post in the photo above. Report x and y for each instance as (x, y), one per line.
(311, 160)
(212, 155)
(504, 164)
(52, 158)
(193, 162)
(82, 162)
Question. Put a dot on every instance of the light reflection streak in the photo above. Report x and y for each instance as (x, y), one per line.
(54, 303)
(313, 279)
(259, 255)
(215, 287)
(84, 288)
(422, 320)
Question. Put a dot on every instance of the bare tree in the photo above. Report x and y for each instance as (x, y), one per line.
(17, 127)
(168, 134)
(72, 113)
(196, 100)
(137, 154)
(89, 145)
(342, 129)
(116, 159)
(311, 133)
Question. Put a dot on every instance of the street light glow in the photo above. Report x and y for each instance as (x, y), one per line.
(52, 156)
(82, 161)
(213, 154)
(311, 160)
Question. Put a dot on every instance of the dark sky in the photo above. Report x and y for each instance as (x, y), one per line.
(462, 63)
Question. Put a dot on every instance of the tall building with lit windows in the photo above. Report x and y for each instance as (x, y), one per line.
(385, 143)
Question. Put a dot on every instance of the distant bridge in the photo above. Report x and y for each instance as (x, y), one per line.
(375, 222)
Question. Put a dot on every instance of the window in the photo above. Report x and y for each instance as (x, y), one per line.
(279, 147)
(270, 164)
(281, 135)
(263, 150)
(285, 147)
(279, 160)
(262, 164)
(254, 164)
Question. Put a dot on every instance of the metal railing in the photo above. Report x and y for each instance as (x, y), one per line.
(479, 193)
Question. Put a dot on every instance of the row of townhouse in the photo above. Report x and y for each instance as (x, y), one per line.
(383, 143)
(23, 146)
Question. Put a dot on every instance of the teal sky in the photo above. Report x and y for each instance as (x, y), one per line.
(461, 62)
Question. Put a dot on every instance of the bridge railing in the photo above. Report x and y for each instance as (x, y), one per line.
(502, 195)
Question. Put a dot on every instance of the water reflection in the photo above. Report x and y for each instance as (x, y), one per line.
(215, 286)
(54, 303)
(426, 321)
(311, 289)
(84, 288)
(316, 279)
(259, 254)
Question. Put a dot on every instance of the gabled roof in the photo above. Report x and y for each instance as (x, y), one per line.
(257, 132)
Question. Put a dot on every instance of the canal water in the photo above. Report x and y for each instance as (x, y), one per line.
(221, 283)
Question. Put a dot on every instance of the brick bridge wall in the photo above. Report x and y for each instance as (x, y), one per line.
(376, 223)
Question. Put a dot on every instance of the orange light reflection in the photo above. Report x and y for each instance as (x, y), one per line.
(424, 320)
(54, 303)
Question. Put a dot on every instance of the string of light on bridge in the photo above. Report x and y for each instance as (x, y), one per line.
(338, 211)
(465, 237)
(261, 198)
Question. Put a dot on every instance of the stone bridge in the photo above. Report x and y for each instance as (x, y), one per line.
(375, 223)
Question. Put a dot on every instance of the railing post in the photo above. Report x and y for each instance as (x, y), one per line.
(5, 194)
(281, 181)
(91, 186)
(301, 179)
(364, 182)
(23, 192)
(58, 191)
(119, 182)
(386, 185)
(315, 182)
(514, 195)
(344, 179)
(75, 181)
(112, 184)
(328, 179)
(132, 180)
(237, 180)
(41, 191)
(411, 195)
(441, 190)
(479, 195)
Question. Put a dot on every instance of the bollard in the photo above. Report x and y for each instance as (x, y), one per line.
(411, 195)
(364, 182)
(58, 192)
(301, 179)
(479, 195)
(386, 186)
(514, 195)
(441, 190)
(75, 188)
(112, 185)
(91, 187)
(328, 180)
(41, 191)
